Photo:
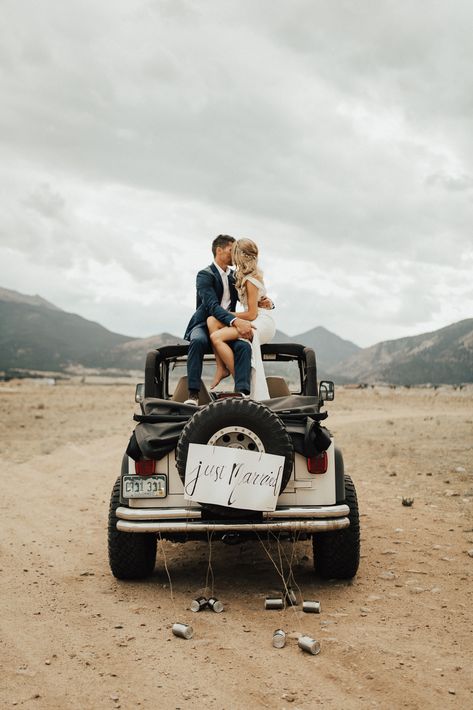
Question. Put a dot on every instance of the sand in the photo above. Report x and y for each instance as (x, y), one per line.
(398, 636)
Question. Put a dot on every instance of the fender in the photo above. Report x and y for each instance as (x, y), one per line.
(339, 476)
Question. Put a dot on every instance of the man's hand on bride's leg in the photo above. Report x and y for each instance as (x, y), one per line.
(244, 328)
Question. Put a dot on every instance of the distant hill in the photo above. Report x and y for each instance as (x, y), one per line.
(330, 348)
(132, 354)
(15, 297)
(443, 356)
(36, 335)
(281, 337)
(43, 338)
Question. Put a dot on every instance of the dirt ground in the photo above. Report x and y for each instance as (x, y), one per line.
(398, 636)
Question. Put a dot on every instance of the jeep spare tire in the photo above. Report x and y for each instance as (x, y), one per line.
(241, 424)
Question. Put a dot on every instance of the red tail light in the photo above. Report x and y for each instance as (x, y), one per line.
(318, 464)
(145, 467)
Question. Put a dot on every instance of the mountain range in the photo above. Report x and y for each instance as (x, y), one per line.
(37, 335)
(442, 356)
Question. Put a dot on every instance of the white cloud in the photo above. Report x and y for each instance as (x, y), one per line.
(337, 136)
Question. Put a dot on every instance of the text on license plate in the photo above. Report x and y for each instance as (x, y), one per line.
(144, 486)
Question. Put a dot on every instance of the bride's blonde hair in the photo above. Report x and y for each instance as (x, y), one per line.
(245, 259)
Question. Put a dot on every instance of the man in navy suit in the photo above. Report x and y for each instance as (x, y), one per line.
(217, 296)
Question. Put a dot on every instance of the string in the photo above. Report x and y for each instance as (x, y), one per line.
(291, 578)
(279, 571)
(209, 565)
(168, 574)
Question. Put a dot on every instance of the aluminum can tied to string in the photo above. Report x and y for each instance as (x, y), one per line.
(290, 597)
(311, 607)
(279, 638)
(274, 603)
(309, 645)
(184, 631)
(198, 604)
(215, 604)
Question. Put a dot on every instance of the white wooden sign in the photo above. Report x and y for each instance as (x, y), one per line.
(235, 478)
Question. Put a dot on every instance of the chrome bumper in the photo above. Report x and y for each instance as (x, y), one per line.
(182, 520)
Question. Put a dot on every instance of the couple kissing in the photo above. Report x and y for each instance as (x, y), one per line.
(234, 336)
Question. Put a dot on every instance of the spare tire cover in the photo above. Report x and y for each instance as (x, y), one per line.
(238, 423)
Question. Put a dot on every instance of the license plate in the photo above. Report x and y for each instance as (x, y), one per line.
(144, 486)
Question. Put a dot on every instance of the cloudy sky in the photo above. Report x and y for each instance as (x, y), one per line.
(338, 135)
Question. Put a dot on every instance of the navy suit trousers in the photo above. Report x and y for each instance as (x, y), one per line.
(200, 345)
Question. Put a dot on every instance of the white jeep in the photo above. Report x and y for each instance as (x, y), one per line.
(316, 499)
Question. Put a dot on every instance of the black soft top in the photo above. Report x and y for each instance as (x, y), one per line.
(293, 350)
(160, 426)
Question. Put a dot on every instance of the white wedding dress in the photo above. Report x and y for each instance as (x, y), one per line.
(263, 333)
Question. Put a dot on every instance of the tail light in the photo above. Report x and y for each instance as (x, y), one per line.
(145, 467)
(318, 464)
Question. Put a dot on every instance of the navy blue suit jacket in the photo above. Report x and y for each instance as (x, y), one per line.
(209, 288)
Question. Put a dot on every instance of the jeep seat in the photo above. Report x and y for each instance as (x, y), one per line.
(277, 387)
(181, 392)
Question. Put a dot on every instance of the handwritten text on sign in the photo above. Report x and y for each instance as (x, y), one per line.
(233, 477)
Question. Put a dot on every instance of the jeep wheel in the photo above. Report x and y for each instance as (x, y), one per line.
(337, 554)
(131, 555)
(241, 424)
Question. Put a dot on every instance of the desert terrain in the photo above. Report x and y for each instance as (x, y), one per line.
(398, 636)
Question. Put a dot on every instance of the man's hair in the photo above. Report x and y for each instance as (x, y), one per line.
(221, 241)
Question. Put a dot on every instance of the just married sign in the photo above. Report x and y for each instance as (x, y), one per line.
(233, 477)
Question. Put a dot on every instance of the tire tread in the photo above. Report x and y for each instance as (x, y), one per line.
(337, 553)
(131, 555)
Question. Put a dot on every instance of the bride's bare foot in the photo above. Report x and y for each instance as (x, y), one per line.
(219, 376)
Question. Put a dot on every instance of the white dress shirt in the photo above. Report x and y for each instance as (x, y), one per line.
(226, 299)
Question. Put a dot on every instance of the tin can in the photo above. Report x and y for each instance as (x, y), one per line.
(198, 604)
(279, 638)
(273, 603)
(309, 645)
(290, 597)
(184, 631)
(311, 607)
(215, 604)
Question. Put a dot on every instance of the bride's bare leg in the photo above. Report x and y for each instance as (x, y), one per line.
(219, 339)
(221, 371)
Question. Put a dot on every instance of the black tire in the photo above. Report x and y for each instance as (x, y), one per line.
(337, 554)
(131, 555)
(254, 417)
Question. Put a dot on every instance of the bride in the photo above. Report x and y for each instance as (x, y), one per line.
(251, 289)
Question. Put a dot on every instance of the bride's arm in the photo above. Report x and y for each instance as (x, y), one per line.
(252, 299)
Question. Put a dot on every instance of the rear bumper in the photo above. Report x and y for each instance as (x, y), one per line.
(181, 520)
